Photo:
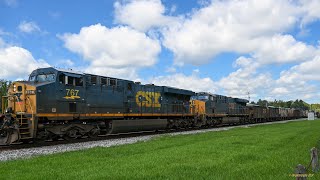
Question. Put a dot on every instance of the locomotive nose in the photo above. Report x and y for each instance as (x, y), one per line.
(18, 106)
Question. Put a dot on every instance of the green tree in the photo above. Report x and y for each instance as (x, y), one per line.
(298, 103)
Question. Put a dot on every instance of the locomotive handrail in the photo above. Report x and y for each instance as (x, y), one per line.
(19, 107)
(3, 108)
(30, 107)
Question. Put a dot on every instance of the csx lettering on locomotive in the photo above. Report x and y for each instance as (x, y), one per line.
(148, 99)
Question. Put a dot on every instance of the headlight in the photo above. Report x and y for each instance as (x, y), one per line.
(29, 92)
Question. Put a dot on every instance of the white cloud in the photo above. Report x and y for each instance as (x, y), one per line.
(246, 27)
(292, 84)
(182, 81)
(171, 70)
(54, 14)
(282, 49)
(245, 79)
(11, 3)
(124, 73)
(242, 62)
(1, 43)
(311, 9)
(142, 14)
(29, 27)
(67, 63)
(228, 26)
(280, 90)
(305, 71)
(17, 63)
(117, 49)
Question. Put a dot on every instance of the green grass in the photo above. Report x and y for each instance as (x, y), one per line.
(261, 152)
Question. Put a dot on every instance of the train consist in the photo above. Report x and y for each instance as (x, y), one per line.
(56, 103)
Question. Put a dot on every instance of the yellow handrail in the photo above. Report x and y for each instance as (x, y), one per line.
(19, 108)
(30, 107)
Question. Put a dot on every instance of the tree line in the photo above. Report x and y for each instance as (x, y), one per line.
(298, 103)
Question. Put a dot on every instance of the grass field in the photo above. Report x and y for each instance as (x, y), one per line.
(261, 152)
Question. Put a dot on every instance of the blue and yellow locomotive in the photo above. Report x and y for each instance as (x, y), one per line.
(55, 103)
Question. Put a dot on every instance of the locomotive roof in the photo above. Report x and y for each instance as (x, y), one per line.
(72, 72)
(240, 100)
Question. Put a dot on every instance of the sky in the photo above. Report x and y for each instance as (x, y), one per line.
(262, 49)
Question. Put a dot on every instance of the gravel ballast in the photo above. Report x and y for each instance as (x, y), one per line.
(30, 152)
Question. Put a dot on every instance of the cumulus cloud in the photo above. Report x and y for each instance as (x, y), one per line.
(124, 72)
(182, 81)
(311, 9)
(282, 49)
(17, 63)
(29, 27)
(305, 71)
(254, 27)
(246, 27)
(292, 84)
(66, 63)
(142, 14)
(245, 79)
(119, 48)
(228, 26)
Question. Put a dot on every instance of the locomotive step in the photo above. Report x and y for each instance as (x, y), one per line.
(24, 138)
(24, 133)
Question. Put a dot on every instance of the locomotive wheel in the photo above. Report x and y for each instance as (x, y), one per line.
(170, 124)
(4, 137)
(45, 136)
(71, 134)
(8, 136)
(93, 133)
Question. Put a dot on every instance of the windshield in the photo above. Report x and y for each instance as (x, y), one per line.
(32, 78)
(43, 77)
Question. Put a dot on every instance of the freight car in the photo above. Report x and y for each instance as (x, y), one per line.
(269, 113)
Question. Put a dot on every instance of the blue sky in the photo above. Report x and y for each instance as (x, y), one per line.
(269, 48)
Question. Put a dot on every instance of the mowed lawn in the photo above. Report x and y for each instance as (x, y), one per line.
(261, 152)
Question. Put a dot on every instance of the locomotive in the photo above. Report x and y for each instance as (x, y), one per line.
(56, 103)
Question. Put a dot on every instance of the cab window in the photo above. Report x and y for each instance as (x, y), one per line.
(45, 77)
(71, 80)
(112, 82)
